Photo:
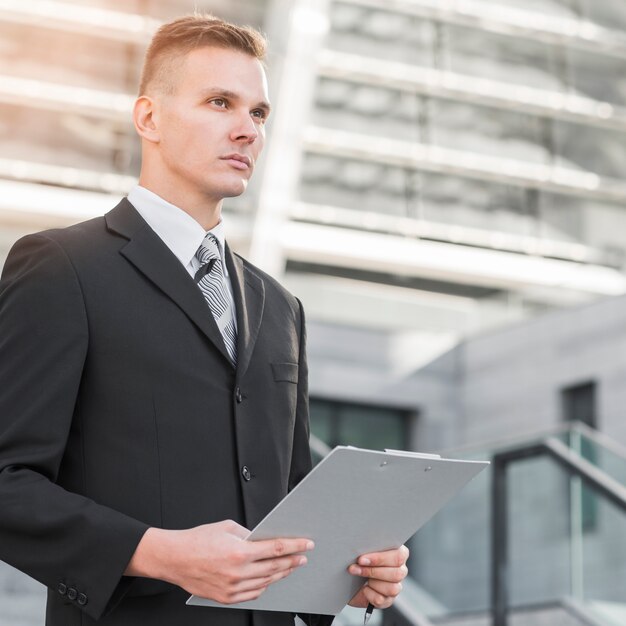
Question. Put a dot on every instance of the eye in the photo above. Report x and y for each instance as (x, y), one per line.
(219, 102)
(260, 114)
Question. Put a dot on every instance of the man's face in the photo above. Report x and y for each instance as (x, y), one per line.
(212, 128)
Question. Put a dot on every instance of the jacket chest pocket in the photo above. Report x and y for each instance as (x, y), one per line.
(285, 372)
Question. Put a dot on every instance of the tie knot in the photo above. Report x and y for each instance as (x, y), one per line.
(208, 249)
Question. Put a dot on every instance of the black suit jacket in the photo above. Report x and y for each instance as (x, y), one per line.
(120, 410)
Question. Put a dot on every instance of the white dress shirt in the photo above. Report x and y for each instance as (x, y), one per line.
(178, 231)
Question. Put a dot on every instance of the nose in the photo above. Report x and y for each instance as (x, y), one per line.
(245, 129)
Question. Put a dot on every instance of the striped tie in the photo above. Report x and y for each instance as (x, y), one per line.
(210, 279)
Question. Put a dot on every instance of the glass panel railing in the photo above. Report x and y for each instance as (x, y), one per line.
(591, 446)
(601, 569)
(538, 532)
(450, 555)
(564, 538)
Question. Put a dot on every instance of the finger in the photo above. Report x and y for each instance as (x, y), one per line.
(359, 599)
(388, 558)
(244, 596)
(377, 599)
(390, 574)
(261, 583)
(388, 590)
(269, 567)
(271, 548)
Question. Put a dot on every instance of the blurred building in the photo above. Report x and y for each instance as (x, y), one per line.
(436, 169)
(461, 168)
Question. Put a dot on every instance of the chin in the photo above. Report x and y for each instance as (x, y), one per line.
(232, 191)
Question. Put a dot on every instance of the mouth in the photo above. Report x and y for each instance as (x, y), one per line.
(238, 161)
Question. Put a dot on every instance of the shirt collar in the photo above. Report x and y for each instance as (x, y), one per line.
(178, 230)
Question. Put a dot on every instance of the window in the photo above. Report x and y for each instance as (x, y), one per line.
(365, 426)
(579, 403)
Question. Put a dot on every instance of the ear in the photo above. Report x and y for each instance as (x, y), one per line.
(145, 119)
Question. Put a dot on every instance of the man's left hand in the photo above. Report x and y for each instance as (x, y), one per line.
(385, 572)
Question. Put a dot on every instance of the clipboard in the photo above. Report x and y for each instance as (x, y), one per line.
(353, 502)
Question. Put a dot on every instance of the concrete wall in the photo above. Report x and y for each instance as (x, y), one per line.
(512, 378)
(491, 387)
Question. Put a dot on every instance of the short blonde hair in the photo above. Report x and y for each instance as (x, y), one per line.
(174, 40)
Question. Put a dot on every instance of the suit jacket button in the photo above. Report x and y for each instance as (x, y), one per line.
(245, 472)
(62, 589)
(238, 396)
(82, 599)
(72, 594)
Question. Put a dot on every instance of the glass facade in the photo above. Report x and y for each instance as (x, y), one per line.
(498, 126)
(450, 74)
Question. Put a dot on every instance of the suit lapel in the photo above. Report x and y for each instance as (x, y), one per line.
(147, 252)
(249, 294)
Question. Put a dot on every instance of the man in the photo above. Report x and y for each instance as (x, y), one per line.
(153, 385)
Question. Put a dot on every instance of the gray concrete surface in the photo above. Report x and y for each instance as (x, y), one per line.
(22, 599)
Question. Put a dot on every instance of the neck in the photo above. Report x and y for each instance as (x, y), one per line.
(206, 211)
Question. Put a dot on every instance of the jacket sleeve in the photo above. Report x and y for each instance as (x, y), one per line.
(301, 459)
(62, 539)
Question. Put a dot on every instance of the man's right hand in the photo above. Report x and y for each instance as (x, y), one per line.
(215, 561)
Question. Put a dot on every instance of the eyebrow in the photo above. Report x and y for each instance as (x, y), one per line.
(231, 95)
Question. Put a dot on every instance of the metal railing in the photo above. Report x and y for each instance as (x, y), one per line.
(599, 481)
